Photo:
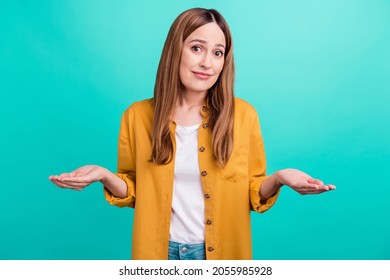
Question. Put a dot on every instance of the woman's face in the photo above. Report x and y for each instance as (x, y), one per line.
(202, 58)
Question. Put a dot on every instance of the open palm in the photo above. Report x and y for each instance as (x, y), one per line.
(302, 182)
(79, 178)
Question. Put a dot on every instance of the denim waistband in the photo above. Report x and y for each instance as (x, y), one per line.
(182, 251)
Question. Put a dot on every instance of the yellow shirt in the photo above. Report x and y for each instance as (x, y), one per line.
(229, 193)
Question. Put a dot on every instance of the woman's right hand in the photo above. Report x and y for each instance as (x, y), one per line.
(79, 178)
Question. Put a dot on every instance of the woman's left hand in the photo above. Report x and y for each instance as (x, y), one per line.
(302, 182)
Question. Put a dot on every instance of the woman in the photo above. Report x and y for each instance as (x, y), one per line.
(191, 160)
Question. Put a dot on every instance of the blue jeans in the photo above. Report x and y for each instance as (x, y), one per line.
(180, 251)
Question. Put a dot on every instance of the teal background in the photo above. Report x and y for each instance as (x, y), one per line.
(316, 71)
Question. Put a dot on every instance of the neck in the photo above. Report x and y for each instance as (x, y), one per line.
(192, 99)
(188, 110)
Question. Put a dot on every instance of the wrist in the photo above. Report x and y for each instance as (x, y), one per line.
(104, 175)
(278, 179)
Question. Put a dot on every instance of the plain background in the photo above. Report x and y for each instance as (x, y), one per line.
(317, 72)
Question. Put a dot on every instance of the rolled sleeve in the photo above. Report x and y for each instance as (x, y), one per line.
(126, 161)
(255, 198)
(127, 201)
(257, 170)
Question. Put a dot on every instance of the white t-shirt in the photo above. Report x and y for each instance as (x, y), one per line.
(187, 217)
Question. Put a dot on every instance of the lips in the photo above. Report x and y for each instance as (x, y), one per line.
(202, 75)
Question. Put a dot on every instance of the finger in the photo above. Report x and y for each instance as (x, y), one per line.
(70, 187)
(55, 178)
(307, 185)
(57, 183)
(81, 179)
(69, 184)
(319, 190)
(59, 177)
(320, 187)
(312, 188)
(75, 185)
(312, 191)
(315, 181)
(66, 186)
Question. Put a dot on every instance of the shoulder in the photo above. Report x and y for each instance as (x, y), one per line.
(243, 108)
(140, 108)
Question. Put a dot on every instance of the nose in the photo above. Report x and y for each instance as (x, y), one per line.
(206, 61)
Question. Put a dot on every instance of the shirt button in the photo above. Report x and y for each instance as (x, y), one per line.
(209, 222)
(204, 173)
(202, 149)
(210, 249)
(184, 250)
(206, 195)
(205, 125)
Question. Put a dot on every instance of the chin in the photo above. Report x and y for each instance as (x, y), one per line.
(199, 88)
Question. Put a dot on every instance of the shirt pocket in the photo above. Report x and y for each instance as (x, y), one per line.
(236, 168)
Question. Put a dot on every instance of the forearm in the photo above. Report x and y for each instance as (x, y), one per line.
(269, 187)
(114, 184)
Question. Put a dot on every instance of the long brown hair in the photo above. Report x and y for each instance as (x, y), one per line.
(220, 97)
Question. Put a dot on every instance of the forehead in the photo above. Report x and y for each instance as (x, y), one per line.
(210, 32)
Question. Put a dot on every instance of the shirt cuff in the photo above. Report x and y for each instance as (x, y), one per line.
(255, 198)
(129, 200)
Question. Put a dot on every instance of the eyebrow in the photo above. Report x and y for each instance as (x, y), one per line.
(205, 42)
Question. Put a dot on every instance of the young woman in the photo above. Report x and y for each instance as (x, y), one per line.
(191, 159)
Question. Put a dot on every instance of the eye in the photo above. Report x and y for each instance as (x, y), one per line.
(218, 53)
(196, 48)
